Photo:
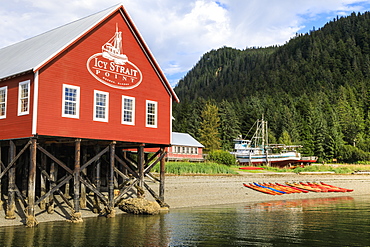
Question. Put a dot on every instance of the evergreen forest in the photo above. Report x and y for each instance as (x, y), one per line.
(313, 91)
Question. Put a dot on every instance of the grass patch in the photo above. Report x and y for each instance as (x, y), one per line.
(325, 168)
(337, 168)
(181, 168)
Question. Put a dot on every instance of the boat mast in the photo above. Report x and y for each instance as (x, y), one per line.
(266, 141)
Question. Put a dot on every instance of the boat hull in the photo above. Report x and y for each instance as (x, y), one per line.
(282, 161)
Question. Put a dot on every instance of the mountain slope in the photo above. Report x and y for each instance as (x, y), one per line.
(316, 87)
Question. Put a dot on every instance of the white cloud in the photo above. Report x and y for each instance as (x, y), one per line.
(180, 32)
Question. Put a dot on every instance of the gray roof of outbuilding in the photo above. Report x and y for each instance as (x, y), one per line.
(184, 139)
(32, 53)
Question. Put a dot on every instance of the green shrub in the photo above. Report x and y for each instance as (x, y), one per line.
(352, 154)
(222, 157)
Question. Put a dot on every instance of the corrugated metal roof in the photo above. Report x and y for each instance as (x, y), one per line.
(184, 139)
(31, 53)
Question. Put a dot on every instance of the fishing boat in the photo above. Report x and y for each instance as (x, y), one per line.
(112, 50)
(257, 150)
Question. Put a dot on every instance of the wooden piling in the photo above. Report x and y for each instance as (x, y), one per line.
(83, 187)
(162, 176)
(31, 220)
(43, 182)
(140, 164)
(110, 210)
(76, 215)
(97, 182)
(53, 175)
(10, 209)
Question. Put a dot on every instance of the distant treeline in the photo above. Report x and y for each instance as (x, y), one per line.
(313, 91)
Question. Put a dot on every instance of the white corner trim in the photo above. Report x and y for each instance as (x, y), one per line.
(35, 102)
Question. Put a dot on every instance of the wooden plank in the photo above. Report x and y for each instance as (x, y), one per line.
(120, 173)
(123, 191)
(60, 163)
(98, 193)
(95, 158)
(134, 173)
(63, 182)
(17, 191)
(148, 168)
(156, 197)
(152, 158)
(15, 158)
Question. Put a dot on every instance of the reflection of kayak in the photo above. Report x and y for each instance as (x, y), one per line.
(251, 168)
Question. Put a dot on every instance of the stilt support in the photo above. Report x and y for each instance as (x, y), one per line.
(110, 208)
(10, 207)
(76, 215)
(31, 220)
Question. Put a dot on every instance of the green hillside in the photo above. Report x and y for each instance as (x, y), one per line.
(313, 91)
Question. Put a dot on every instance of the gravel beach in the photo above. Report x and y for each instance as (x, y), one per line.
(191, 191)
(198, 190)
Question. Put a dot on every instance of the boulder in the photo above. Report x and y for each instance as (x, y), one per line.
(139, 206)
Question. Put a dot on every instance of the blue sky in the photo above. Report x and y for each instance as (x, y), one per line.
(180, 32)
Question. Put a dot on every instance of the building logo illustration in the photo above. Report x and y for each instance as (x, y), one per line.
(113, 68)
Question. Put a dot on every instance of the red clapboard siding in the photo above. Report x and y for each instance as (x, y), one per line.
(14, 126)
(70, 68)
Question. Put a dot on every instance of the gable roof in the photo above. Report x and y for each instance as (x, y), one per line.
(184, 139)
(34, 53)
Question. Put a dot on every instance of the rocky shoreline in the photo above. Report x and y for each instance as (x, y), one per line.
(199, 190)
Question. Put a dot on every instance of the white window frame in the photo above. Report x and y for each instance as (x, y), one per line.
(155, 103)
(105, 107)
(4, 103)
(21, 111)
(77, 102)
(132, 122)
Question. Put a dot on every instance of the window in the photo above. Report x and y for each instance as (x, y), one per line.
(151, 114)
(128, 110)
(3, 96)
(101, 102)
(71, 101)
(23, 98)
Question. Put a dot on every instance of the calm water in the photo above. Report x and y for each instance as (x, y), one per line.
(334, 221)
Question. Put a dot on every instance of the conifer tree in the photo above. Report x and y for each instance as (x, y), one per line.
(229, 125)
(208, 129)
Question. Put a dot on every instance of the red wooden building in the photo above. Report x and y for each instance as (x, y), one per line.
(83, 88)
